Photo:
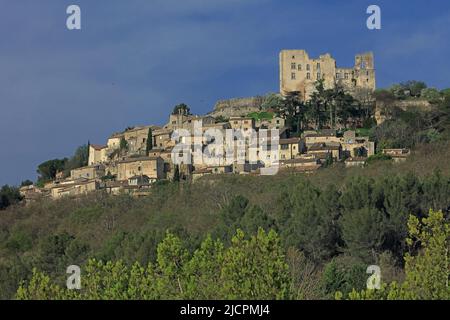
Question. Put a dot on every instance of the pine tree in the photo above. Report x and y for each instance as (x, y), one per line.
(149, 141)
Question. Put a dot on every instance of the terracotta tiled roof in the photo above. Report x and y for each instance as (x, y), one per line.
(98, 147)
(129, 160)
(289, 141)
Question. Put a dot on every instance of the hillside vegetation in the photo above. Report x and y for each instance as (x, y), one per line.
(331, 225)
(288, 236)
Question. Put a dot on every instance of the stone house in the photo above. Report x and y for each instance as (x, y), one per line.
(242, 123)
(140, 180)
(289, 148)
(322, 151)
(153, 167)
(351, 144)
(162, 138)
(323, 136)
(90, 172)
(301, 164)
(74, 189)
(97, 154)
(398, 155)
(355, 162)
(274, 123)
(137, 139)
(183, 121)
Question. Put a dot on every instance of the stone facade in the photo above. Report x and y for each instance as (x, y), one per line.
(90, 172)
(97, 154)
(299, 72)
(153, 167)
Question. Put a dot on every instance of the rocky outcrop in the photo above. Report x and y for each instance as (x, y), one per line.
(237, 107)
(383, 111)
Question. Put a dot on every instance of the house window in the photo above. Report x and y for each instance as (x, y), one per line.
(307, 67)
(293, 66)
(308, 76)
(293, 76)
(299, 67)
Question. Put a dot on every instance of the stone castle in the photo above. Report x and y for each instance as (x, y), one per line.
(299, 72)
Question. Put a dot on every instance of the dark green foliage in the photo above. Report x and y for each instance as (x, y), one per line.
(240, 214)
(9, 196)
(26, 183)
(176, 174)
(149, 145)
(78, 160)
(220, 119)
(123, 146)
(181, 109)
(407, 89)
(343, 274)
(48, 169)
(378, 157)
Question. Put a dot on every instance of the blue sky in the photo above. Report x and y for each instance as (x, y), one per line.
(134, 60)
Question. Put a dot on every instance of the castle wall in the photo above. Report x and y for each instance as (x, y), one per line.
(299, 73)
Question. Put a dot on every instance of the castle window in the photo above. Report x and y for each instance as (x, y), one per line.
(293, 76)
(293, 57)
(293, 67)
(367, 73)
(308, 76)
(318, 65)
(318, 76)
(338, 75)
(307, 67)
(345, 75)
(299, 67)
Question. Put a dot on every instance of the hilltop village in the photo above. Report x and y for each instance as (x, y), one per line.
(133, 160)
